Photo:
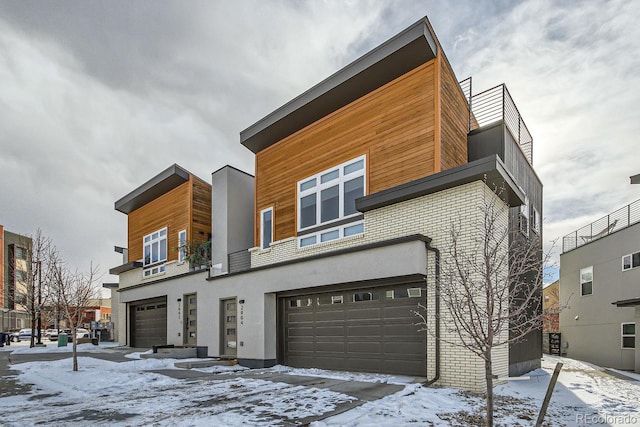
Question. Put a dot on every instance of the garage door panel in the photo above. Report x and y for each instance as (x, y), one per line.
(365, 347)
(364, 313)
(364, 331)
(306, 331)
(367, 335)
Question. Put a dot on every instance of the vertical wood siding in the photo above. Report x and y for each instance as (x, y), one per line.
(186, 207)
(454, 117)
(393, 125)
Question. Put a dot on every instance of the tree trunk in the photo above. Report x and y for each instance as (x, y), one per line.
(489, 377)
(75, 354)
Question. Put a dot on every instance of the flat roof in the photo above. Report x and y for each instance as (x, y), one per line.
(402, 53)
(489, 169)
(160, 184)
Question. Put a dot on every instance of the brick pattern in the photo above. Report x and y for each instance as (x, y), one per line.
(433, 216)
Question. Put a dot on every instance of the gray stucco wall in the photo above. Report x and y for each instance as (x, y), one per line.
(231, 214)
(591, 325)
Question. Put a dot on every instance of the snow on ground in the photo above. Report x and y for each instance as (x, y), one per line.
(127, 393)
(584, 395)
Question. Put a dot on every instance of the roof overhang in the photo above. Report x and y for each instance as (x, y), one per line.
(126, 267)
(489, 169)
(111, 285)
(632, 302)
(160, 184)
(404, 52)
(635, 179)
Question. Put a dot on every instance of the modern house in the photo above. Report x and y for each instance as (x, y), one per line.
(166, 216)
(15, 269)
(357, 181)
(600, 283)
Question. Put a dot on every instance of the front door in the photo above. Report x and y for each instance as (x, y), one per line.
(229, 325)
(190, 319)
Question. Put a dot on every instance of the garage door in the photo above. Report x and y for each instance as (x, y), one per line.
(366, 330)
(149, 323)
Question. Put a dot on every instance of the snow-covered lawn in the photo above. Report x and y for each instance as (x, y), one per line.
(127, 393)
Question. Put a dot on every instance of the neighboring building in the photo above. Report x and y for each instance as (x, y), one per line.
(551, 307)
(169, 236)
(357, 182)
(15, 270)
(600, 282)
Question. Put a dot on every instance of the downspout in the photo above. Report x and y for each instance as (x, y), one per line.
(436, 252)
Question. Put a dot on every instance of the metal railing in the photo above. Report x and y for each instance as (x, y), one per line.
(615, 221)
(493, 105)
(239, 261)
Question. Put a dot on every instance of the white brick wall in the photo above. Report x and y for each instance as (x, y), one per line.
(431, 215)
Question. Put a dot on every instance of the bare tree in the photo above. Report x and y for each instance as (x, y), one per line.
(39, 258)
(75, 290)
(490, 288)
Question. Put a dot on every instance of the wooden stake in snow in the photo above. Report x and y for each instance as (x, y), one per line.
(547, 397)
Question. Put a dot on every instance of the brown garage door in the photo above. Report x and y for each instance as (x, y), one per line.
(366, 330)
(149, 323)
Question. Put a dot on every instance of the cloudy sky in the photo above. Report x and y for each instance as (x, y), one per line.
(97, 97)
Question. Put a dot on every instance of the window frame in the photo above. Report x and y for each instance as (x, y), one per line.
(623, 335)
(536, 223)
(150, 243)
(523, 217)
(262, 228)
(319, 186)
(631, 256)
(182, 246)
(584, 271)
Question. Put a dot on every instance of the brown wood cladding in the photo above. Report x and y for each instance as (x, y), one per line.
(186, 207)
(454, 117)
(393, 125)
(201, 213)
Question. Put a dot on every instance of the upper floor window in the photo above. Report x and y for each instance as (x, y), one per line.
(631, 261)
(331, 194)
(155, 247)
(628, 335)
(20, 253)
(586, 281)
(266, 227)
(535, 220)
(182, 246)
(523, 217)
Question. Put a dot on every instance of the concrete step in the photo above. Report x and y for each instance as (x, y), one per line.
(205, 363)
(173, 353)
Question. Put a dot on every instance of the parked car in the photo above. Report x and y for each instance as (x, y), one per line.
(22, 334)
(80, 333)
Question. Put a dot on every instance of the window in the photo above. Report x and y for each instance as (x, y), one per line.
(20, 253)
(155, 247)
(523, 217)
(631, 261)
(366, 296)
(331, 195)
(586, 281)
(266, 228)
(351, 229)
(182, 246)
(628, 335)
(535, 221)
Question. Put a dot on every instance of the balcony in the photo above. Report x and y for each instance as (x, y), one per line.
(493, 106)
(615, 221)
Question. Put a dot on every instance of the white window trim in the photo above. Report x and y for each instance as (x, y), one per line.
(150, 243)
(262, 212)
(342, 178)
(340, 230)
(182, 246)
(581, 282)
(623, 335)
(630, 261)
(524, 213)
(154, 270)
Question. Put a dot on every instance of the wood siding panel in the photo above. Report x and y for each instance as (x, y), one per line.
(454, 117)
(201, 211)
(394, 126)
(169, 210)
